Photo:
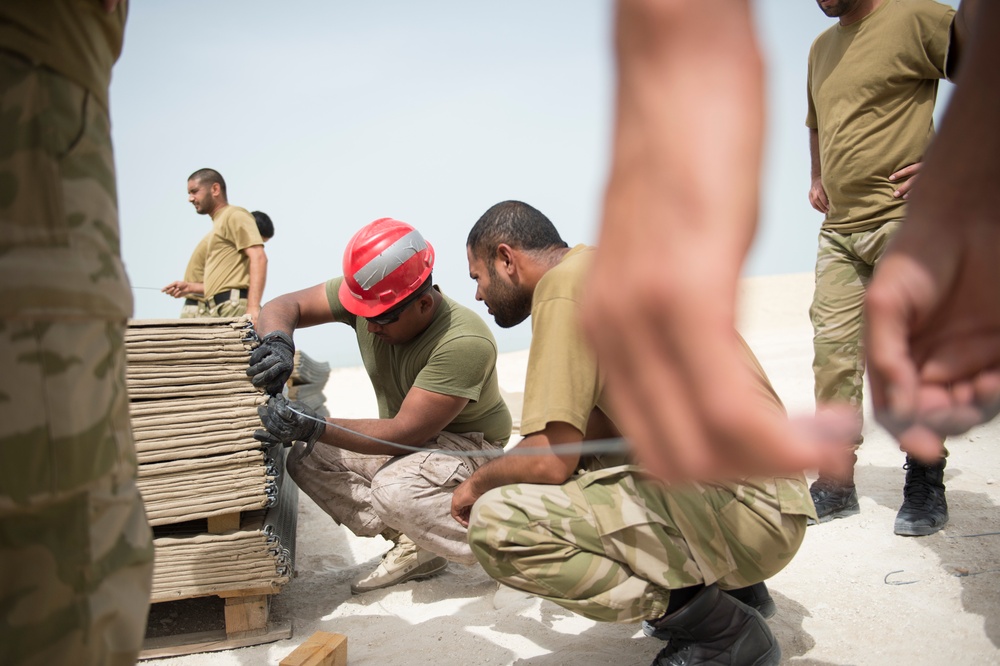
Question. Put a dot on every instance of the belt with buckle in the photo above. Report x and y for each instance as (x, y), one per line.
(190, 301)
(224, 296)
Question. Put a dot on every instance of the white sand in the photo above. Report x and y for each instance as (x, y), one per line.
(855, 593)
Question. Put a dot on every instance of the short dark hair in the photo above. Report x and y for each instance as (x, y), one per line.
(515, 223)
(209, 176)
(264, 224)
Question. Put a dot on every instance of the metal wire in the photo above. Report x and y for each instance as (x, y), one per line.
(593, 447)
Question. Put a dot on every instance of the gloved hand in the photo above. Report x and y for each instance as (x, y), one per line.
(271, 363)
(284, 426)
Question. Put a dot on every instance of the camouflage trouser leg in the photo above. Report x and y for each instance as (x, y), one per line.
(231, 308)
(844, 267)
(610, 546)
(410, 494)
(75, 549)
(194, 311)
(339, 482)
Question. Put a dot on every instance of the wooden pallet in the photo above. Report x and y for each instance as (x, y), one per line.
(244, 615)
(247, 623)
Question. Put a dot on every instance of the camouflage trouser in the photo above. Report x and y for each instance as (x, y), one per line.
(75, 548)
(611, 544)
(194, 311)
(844, 267)
(234, 307)
(410, 494)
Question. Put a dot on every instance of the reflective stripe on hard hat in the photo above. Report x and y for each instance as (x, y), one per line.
(390, 259)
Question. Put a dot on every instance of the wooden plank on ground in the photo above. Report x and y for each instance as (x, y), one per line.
(321, 649)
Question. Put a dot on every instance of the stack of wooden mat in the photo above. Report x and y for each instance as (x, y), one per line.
(221, 506)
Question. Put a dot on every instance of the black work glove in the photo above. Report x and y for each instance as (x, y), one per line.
(271, 363)
(284, 426)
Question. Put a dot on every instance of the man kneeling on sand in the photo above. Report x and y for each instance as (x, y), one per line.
(594, 534)
(432, 363)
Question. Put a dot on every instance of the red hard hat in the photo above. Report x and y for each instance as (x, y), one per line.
(384, 262)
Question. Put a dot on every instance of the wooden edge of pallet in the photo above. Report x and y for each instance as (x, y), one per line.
(223, 592)
(209, 641)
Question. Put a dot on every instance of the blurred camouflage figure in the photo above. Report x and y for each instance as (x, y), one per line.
(75, 548)
(597, 535)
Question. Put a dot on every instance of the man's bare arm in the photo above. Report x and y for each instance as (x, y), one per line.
(182, 288)
(258, 277)
(294, 310)
(817, 194)
(932, 310)
(422, 415)
(679, 215)
(545, 467)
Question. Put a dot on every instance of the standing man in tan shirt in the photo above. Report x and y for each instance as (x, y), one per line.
(192, 287)
(235, 262)
(872, 83)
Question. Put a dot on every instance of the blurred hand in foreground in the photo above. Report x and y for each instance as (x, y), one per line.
(933, 308)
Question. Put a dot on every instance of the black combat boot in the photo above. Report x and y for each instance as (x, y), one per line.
(715, 629)
(755, 596)
(833, 493)
(833, 499)
(924, 510)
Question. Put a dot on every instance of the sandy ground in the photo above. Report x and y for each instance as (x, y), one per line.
(854, 594)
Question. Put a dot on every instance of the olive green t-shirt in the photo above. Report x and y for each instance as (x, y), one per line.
(871, 92)
(455, 355)
(226, 267)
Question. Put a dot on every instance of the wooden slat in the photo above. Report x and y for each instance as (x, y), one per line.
(224, 523)
(247, 616)
(321, 649)
(208, 641)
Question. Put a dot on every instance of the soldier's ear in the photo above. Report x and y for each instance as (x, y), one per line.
(505, 258)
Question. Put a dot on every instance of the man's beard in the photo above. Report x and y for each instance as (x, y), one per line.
(510, 306)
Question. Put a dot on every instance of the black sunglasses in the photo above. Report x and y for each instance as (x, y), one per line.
(393, 315)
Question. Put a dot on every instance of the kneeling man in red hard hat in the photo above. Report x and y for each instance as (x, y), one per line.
(432, 363)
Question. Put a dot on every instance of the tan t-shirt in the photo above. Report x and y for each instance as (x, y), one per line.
(195, 271)
(226, 267)
(871, 92)
(564, 382)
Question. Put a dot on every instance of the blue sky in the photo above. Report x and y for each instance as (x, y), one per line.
(330, 114)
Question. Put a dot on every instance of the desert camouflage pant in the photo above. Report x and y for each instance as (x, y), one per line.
(409, 494)
(611, 544)
(193, 311)
(236, 307)
(844, 267)
(75, 548)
